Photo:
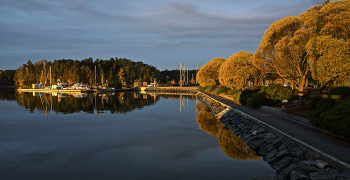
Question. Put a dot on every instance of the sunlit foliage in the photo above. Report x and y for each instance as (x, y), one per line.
(329, 60)
(235, 71)
(208, 75)
(112, 72)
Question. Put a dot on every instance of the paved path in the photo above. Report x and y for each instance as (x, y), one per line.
(303, 133)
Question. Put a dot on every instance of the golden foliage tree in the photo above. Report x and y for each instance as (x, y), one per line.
(282, 51)
(329, 60)
(208, 74)
(291, 47)
(329, 48)
(235, 71)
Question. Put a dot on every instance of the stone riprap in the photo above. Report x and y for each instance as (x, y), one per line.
(281, 153)
(214, 106)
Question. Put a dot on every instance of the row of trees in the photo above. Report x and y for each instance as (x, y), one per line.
(112, 72)
(312, 46)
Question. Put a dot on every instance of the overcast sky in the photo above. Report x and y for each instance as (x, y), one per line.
(162, 33)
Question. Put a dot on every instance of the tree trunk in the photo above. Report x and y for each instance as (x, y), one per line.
(300, 94)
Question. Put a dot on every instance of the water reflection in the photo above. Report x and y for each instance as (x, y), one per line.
(232, 145)
(65, 103)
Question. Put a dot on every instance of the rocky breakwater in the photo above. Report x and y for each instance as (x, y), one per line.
(282, 153)
(215, 107)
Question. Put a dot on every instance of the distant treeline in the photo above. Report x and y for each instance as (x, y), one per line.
(113, 72)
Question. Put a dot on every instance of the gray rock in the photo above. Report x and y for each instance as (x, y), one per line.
(285, 174)
(295, 152)
(298, 175)
(240, 125)
(344, 176)
(262, 136)
(308, 166)
(234, 129)
(307, 163)
(281, 154)
(261, 130)
(282, 147)
(263, 149)
(324, 174)
(270, 147)
(281, 164)
(245, 137)
(255, 144)
(255, 127)
(270, 157)
(249, 139)
(270, 137)
(289, 144)
(246, 128)
(277, 142)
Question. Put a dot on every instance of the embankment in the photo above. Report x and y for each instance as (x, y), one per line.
(290, 157)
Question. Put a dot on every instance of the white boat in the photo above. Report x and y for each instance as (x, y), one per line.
(80, 86)
(152, 85)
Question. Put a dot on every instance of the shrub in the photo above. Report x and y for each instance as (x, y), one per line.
(257, 100)
(277, 92)
(233, 91)
(321, 105)
(202, 87)
(221, 89)
(337, 119)
(245, 95)
(237, 97)
(343, 90)
(165, 85)
(210, 88)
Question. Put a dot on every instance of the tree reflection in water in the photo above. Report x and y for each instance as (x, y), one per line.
(232, 145)
(90, 103)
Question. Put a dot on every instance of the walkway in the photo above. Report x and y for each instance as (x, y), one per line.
(308, 135)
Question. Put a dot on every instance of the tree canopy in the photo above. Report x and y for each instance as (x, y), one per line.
(235, 71)
(111, 72)
(208, 74)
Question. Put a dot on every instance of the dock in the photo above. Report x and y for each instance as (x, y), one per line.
(56, 90)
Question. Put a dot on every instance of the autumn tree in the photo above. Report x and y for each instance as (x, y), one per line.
(208, 74)
(283, 51)
(329, 47)
(294, 46)
(329, 60)
(235, 71)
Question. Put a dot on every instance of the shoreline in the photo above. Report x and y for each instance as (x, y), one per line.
(289, 156)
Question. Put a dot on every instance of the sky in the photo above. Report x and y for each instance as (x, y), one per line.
(160, 33)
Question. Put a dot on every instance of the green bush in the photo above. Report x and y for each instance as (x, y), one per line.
(221, 89)
(165, 85)
(237, 97)
(337, 119)
(343, 90)
(210, 88)
(257, 100)
(245, 95)
(277, 92)
(202, 87)
(233, 91)
(318, 107)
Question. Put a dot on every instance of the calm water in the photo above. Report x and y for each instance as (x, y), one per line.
(118, 136)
